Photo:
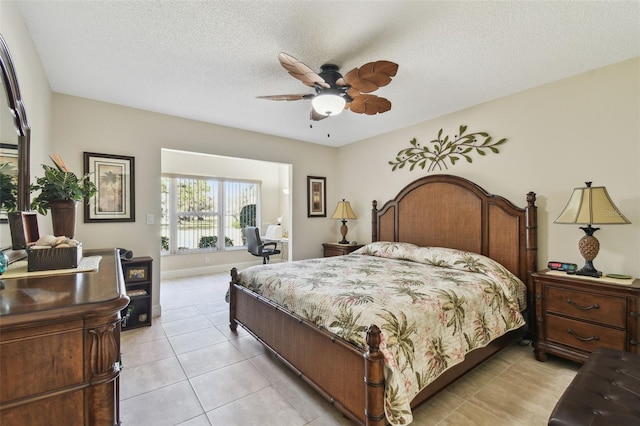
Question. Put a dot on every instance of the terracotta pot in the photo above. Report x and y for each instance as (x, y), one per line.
(63, 217)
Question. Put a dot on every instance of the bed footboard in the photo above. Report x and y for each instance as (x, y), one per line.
(343, 374)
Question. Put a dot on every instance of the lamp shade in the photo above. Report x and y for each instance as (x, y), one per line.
(343, 211)
(328, 104)
(591, 206)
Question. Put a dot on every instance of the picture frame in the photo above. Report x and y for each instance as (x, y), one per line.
(8, 177)
(113, 176)
(136, 273)
(316, 196)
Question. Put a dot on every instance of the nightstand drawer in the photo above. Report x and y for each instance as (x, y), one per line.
(583, 335)
(594, 307)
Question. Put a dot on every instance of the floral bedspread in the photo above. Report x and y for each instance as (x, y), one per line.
(432, 304)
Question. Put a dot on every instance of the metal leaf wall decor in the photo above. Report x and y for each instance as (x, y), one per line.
(441, 150)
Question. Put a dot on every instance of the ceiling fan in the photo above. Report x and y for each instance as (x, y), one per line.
(334, 92)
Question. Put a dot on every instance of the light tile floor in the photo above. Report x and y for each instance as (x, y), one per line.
(189, 369)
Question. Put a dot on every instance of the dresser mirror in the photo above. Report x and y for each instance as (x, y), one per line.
(14, 147)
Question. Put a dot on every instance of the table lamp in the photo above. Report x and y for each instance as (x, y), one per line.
(590, 205)
(343, 212)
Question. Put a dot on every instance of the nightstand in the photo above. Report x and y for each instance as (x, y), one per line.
(574, 315)
(336, 249)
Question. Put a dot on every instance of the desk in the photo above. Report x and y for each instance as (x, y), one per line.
(284, 246)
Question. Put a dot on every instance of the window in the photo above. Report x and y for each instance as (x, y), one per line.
(202, 214)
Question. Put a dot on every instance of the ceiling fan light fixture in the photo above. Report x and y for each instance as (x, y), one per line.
(328, 104)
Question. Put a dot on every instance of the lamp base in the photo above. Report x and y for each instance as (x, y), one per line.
(588, 270)
(343, 231)
(589, 247)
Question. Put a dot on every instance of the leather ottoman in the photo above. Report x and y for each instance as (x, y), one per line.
(606, 391)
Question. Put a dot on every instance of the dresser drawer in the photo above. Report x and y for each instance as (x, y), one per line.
(607, 310)
(583, 335)
(41, 364)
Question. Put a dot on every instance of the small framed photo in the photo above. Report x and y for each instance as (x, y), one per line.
(8, 179)
(113, 176)
(136, 273)
(316, 196)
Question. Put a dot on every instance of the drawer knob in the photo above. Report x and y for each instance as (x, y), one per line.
(583, 308)
(584, 339)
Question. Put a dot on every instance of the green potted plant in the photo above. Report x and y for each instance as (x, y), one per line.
(60, 191)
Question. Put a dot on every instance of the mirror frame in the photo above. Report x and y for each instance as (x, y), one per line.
(16, 106)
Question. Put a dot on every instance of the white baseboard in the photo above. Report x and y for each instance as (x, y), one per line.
(156, 310)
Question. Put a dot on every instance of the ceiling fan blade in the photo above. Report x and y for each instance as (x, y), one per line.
(353, 93)
(315, 116)
(371, 76)
(287, 97)
(369, 104)
(301, 71)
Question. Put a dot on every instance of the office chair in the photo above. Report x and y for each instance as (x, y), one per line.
(256, 247)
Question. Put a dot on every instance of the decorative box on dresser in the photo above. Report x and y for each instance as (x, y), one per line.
(337, 249)
(575, 315)
(60, 346)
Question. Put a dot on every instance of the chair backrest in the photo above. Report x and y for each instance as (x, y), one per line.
(254, 242)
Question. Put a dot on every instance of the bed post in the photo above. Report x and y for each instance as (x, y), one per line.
(531, 217)
(374, 222)
(374, 379)
(531, 214)
(233, 325)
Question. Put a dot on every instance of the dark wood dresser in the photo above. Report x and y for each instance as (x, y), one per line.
(60, 347)
(575, 315)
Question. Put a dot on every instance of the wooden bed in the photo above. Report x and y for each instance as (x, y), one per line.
(438, 210)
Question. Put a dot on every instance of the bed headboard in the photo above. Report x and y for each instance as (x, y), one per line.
(450, 211)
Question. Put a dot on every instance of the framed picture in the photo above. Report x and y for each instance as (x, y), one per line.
(316, 196)
(136, 273)
(113, 176)
(8, 178)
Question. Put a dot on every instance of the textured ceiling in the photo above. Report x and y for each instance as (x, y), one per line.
(208, 60)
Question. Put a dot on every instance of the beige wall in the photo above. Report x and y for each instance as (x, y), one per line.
(70, 126)
(84, 125)
(584, 128)
(560, 135)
